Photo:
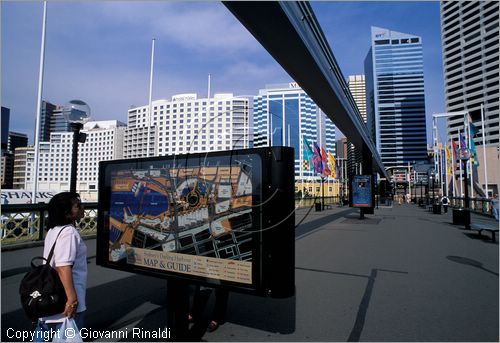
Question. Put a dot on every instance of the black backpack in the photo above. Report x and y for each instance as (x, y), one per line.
(42, 292)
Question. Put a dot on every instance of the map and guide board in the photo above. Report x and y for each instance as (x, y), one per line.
(220, 219)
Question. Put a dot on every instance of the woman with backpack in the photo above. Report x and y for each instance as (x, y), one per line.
(69, 260)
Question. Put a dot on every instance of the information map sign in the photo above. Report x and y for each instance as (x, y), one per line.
(361, 189)
(221, 219)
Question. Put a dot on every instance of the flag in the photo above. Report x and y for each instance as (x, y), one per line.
(326, 169)
(473, 129)
(448, 160)
(333, 165)
(308, 153)
(454, 154)
(317, 160)
(305, 165)
(463, 144)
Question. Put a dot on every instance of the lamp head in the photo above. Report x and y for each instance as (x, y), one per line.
(76, 111)
(464, 154)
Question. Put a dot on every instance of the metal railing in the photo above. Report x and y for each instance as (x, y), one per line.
(477, 205)
(26, 222)
(310, 201)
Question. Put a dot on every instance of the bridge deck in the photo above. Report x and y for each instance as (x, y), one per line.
(402, 274)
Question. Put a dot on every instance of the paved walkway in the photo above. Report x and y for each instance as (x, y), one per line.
(402, 274)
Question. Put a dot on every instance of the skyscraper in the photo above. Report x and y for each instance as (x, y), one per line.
(469, 32)
(356, 84)
(284, 115)
(394, 71)
(471, 65)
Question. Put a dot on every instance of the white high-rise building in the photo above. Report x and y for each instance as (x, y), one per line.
(186, 124)
(104, 142)
(356, 84)
(471, 64)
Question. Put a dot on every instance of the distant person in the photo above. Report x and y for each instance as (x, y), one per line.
(494, 206)
(445, 201)
(408, 198)
(69, 260)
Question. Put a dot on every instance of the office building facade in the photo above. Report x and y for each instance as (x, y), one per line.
(469, 35)
(186, 124)
(284, 115)
(394, 72)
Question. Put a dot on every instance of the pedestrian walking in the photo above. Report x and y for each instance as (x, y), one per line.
(494, 206)
(445, 201)
(219, 311)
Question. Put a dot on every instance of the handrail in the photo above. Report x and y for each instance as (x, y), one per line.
(22, 223)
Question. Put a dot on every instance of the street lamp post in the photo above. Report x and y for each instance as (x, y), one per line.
(431, 196)
(464, 155)
(76, 113)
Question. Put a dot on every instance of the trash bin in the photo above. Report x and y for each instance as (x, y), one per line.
(436, 208)
(317, 206)
(461, 216)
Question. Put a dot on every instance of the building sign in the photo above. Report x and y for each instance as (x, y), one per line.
(199, 217)
(362, 191)
(184, 97)
(23, 196)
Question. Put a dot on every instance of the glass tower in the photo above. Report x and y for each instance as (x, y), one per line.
(394, 70)
(284, 115)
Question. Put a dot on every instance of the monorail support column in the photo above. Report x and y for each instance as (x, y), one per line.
(367, 161)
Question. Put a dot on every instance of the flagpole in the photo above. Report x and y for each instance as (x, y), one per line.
(485, 166)
(453, 161)
(446, 168)
(39, 106)
(460, 166)
(470, 160)
(302, 166)
(150, 95)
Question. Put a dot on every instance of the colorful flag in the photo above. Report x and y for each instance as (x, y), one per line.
(454, 154)
(463, 144)
(333, 165)
(317, 160)
(308, 153)
(448, 160)
(326, 169)
(473, 129)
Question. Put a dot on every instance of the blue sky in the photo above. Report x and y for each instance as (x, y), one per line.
(100, 51)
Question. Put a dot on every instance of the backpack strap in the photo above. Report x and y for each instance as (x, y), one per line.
(49, 258)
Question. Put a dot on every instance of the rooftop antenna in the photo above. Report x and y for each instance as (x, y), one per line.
(150, 95)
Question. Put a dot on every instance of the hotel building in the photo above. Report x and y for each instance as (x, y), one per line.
(186, 124)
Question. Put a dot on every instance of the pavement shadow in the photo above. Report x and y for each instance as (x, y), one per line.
(470, 262)
(110, 307)
(481, 237)
(15, 271)
(303, 229)
(266, 314)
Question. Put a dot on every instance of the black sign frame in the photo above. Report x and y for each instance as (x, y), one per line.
(272, 215)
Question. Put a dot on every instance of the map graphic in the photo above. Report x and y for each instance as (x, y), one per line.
(202, 211)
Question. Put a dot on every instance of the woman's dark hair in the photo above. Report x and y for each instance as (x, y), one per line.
(59, 207)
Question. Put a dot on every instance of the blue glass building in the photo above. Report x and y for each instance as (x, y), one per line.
(283, 115)
(394, 69)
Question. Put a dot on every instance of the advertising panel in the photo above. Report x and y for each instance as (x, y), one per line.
(362, 191)
(197, 217)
